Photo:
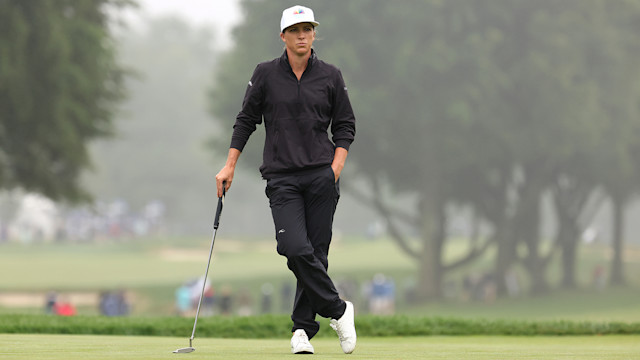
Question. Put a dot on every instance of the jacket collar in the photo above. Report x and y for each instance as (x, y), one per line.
(284, 60)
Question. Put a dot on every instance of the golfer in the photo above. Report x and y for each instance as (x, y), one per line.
(300, 97)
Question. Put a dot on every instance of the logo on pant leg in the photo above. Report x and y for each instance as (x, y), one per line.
(281, 231)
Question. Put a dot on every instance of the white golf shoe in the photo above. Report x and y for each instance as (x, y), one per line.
(346, 329)
(300, 343)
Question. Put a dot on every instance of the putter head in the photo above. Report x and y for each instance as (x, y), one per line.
(184, 350)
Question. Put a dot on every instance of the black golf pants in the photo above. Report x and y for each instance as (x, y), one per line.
(302, 207)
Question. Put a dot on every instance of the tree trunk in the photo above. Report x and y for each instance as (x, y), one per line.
(570, 200)
(529, 230)
(617, 271)
(506, 255)
(569, 244)
(429, 282)
(567, 238)
(432, 232)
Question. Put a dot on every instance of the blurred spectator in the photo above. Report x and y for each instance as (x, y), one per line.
(114, 303)
(124, 307)
(64, 307)
(383, 292)
(195, 288)
(50, 302)
(188, 295)
(208, 300)
(480, 287)
(183, 300)
(267, 295)
(226, 300)
(154, 213)
(244, 303)
(113, 220)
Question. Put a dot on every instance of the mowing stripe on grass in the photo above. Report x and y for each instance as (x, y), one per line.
(76, 347)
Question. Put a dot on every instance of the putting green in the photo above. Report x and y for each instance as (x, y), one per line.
(70, 347)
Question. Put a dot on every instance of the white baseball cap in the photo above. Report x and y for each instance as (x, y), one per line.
(295, 15)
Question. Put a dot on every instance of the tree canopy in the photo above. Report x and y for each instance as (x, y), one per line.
(487, 104)
(59, 84)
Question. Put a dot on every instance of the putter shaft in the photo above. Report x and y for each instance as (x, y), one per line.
(206, 273)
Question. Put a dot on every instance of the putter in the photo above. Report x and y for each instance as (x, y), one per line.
(216, 222)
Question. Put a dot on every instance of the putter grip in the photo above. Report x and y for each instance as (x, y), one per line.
(216, 221)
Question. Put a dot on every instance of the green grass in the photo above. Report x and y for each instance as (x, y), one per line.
(71, 347)
(89, 266)
(151, 269)
(615, 304)
(149, 263)
(276, 326)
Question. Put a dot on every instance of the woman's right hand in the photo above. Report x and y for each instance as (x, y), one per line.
(226, 173)
(224, 176)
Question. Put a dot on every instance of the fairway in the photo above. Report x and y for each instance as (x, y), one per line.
(477, 347)
(152, 269)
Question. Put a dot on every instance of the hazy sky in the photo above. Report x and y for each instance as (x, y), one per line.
(221, 14)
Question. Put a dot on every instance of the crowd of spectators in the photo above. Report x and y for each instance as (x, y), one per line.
(100, 221)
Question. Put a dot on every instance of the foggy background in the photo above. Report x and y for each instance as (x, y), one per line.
(508, 126)
(189, 125)
(170, 94)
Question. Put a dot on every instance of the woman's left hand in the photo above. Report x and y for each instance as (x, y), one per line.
(336, 173)
(339, 159)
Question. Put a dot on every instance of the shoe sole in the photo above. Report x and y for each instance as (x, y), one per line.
(303, 351)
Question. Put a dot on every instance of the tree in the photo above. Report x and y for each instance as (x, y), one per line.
(483, 103)
(612, 63)
(546, 115)
(608, 165)
(59, 84)
(374, 73)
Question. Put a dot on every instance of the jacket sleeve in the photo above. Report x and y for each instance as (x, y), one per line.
(343, 123)
(251, 113)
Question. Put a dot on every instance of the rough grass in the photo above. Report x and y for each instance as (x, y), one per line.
(276, 326)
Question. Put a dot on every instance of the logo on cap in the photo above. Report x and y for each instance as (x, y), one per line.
(298, 12)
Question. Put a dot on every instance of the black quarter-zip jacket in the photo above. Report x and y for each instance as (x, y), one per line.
(297, 115)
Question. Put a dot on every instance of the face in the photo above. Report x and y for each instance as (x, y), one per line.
(298, 38)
